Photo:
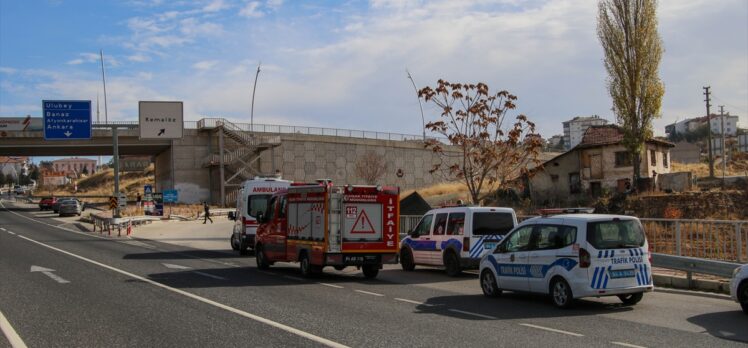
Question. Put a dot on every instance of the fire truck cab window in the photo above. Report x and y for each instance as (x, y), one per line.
(271, 208)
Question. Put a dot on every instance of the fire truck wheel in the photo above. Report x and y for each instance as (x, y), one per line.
(370, 271)
(406, 259)
(452, 264)
(262, 262)
(305, 265)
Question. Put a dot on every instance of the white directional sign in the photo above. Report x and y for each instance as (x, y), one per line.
(161, 119)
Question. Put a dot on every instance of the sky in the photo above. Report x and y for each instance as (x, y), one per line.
(342, 64)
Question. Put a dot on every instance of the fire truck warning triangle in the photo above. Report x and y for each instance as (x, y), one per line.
(363, 224)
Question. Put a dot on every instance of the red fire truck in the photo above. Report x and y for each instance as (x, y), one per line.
(322, 225)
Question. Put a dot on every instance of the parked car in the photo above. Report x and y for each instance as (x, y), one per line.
(739, 286)
(19, 190)
(47, 203)
(56, 205)
(455, 237)
(571, 256)
(70, 206)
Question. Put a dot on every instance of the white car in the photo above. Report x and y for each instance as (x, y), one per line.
(571, 256)
(455, 237)
(739, 287)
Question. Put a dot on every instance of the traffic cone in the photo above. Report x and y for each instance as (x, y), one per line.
(129, 227)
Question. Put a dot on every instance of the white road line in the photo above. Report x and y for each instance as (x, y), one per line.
(240, 312)
(2, 229)
(331, 285)
(13, 233)
(369, 293)
(294, 278)
(10, 333)
(473, 314)
(553, 330)
(413, 302)
(209, 275)
(627, 345)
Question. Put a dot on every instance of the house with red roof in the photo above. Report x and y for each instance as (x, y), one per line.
(599, 163)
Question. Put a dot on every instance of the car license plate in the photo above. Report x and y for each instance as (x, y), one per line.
(622, 273)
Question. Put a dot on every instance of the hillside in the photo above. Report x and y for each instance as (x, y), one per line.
(102, 184)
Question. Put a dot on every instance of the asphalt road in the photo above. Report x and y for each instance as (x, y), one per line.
(126, 292)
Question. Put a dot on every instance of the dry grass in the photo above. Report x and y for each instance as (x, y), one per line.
(702, 169)
(441, 194)
(102, 184)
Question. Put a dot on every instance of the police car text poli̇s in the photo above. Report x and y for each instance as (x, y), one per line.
(252, 198)
(571, 256)
(455, 237)
(739, 286)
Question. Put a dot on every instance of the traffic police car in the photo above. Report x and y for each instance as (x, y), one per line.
(739, 286)
(571, 256)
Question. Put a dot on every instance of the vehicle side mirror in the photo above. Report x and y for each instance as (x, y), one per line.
(232, 216)
(260, 217)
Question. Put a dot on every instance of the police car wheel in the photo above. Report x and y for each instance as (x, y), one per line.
(561, 293)
(631, 299)
(743, 296)
(452, 264)
(370, 271)
(406, 260)
(488, 284)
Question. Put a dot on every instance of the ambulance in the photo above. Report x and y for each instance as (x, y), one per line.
(570, 256)
(252, 198)
(320, 225)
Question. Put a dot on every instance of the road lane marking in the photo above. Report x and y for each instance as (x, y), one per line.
(331, 285)
(240, 312)
(553, 330)
(10, 333)
(413, 302)
(116, 240)
(48, 272)
(294, 278)
(369, 293)
(13, 233)
(627, 345)
(185, 268)
(2, 229)
(473, 314)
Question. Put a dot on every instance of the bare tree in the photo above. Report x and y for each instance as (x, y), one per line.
(371, 167)
(493, 150)
(628, 34)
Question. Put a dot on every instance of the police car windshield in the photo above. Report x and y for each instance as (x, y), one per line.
(492, 223)
(256, 204)
(615, 234)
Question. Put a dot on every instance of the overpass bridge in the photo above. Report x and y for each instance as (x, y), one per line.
(216, 155)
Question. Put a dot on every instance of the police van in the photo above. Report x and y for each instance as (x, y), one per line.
(571, 256)
(252, 199)
(455, 237)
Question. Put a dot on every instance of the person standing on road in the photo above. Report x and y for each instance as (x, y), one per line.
(138, 200)
(206, 207)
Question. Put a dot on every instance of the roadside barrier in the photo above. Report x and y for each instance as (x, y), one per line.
(127, 224)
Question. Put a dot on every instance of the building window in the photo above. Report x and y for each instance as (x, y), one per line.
(664, 159)
(653, 157)
(575, 186)
(623, 159)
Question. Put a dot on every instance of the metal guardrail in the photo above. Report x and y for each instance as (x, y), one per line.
(725, 240)
(694, 265)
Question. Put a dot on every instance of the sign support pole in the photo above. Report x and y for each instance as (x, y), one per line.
(115, 158)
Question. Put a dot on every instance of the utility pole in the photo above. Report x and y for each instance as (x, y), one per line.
(709, 125)
(724, 149)
(252, 111)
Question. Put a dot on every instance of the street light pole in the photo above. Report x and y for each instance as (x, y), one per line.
(423, 120)
(252, 111)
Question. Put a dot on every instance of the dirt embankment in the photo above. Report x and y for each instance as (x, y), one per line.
(728, 205)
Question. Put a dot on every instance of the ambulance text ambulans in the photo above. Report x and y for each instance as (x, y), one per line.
(571, 256)
(321, 225)
(251, 199)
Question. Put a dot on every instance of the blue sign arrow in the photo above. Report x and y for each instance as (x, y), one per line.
(67, 119)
